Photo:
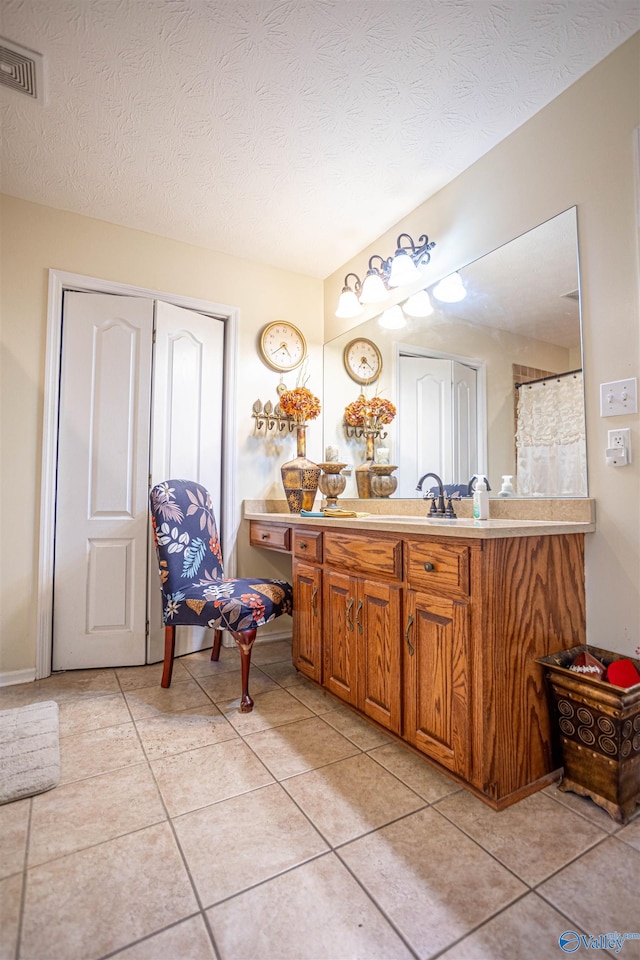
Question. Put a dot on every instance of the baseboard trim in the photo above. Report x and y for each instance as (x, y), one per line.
(11, 677)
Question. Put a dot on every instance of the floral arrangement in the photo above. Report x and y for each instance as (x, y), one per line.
(300, 404)
(370, 414)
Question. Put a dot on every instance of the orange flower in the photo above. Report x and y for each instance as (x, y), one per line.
(370, 414)
(300, 404)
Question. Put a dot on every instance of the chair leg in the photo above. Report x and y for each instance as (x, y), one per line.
(244, 641)
(169, 650)
(215, 650)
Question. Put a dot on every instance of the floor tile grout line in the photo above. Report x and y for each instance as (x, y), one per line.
(23, 887)
(617, 826)
(598, 843)
(181, 852)
(378, 906)
(149, 936)
(504, 865)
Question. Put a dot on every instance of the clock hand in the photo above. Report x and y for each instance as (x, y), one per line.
(365, 363)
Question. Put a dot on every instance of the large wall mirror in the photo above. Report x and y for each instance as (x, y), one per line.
(489, 385)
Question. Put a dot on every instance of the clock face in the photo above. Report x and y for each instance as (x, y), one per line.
(282, 346)
(363, 361)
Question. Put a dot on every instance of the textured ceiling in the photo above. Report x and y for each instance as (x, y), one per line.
(292, 132)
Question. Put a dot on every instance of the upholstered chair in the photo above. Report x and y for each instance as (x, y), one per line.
(194, 589)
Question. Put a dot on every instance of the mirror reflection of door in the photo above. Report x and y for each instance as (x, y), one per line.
(438, 421)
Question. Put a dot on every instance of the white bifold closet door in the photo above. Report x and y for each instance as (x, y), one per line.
(437, 418)
(131, 414)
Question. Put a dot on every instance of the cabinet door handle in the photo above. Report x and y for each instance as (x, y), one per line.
(359, 608)
(303, 544)
(429, 566)
(314, 601)
(406, 635)
(349, 607)
(265, 536)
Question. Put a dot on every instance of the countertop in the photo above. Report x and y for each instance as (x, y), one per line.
(419, 522)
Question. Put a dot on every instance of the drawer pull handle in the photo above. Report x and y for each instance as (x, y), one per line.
(349, 608)
(406, 635)
(314, 601)
(359, 608)
(265, 536)
(429, 566)
(303, 544)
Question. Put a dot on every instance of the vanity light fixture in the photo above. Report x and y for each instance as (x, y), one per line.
(396, 271)
(419, 305)
(451, 289)
(393, 318)
(349, 304)
(373, 286)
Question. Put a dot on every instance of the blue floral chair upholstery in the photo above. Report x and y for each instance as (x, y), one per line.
(194, 589)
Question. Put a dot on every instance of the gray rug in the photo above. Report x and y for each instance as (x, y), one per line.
(29, 750)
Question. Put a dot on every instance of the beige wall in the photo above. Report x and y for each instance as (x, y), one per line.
(578, 150)
(35, 238)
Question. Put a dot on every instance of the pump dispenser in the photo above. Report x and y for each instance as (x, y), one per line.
(480, 500)
(507, 486)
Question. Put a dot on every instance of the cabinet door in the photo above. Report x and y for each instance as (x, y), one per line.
(379, 641)
(307, 622)
(340, 635)
(436, 707)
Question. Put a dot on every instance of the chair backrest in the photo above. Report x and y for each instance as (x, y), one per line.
(185, 534)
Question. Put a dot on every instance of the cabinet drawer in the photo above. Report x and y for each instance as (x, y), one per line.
(273, 536)
(307, 545)
(438, 567)
(364, 555)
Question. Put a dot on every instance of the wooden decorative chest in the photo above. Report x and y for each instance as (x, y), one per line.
(598, 725)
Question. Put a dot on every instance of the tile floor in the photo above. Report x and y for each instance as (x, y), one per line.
(185, 830)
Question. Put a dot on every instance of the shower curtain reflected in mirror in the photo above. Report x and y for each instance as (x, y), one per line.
(551, 454)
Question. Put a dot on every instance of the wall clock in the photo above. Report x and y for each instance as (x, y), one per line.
(362, 360)
(282, 346)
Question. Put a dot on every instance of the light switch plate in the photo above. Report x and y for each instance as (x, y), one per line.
(619, 397)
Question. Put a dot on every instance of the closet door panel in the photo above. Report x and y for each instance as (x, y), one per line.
(101, 504)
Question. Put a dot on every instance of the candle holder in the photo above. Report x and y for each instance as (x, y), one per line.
(331, 482)
(382, 483)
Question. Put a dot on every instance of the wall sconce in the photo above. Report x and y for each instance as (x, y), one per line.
(451, 289)
(396, 271)
(270, 417)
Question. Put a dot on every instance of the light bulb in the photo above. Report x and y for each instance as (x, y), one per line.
(450, 289)
(348, 304)
(393, 318)
(419, 305)
(373, 289)
(403, 270)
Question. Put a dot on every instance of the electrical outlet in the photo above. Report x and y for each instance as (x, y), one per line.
(620, 440)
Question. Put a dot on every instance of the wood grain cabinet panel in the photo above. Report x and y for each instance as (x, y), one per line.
(362, 645)
(273, 536)
(307, 620)
(436, 679)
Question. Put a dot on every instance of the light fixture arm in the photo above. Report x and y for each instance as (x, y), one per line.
(357, 286)
(419, 252)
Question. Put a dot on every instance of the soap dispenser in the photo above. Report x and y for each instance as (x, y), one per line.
(507, 486)
(480, 500)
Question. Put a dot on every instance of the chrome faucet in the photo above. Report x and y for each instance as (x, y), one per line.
(440, 509)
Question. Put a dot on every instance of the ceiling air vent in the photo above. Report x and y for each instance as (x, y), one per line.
(21, 69)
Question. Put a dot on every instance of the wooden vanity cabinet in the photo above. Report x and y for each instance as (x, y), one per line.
(362, 624)
(436, 639)
(307, 598)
